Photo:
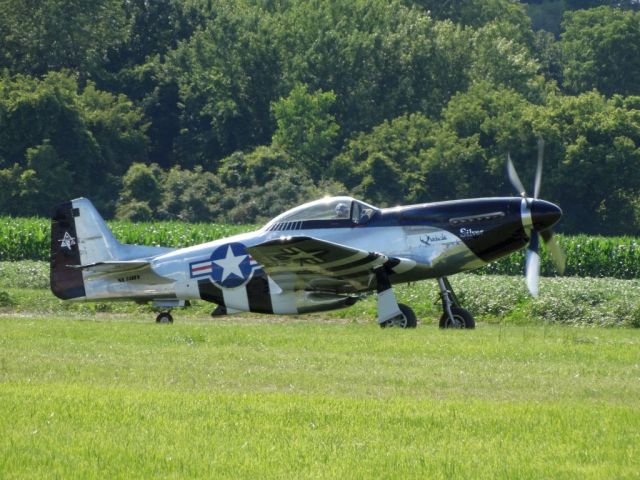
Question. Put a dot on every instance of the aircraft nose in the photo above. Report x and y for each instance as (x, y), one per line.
(544, 214)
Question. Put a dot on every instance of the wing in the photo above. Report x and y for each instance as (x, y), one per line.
(306, 263)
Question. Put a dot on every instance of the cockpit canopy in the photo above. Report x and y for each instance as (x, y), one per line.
(337, 211)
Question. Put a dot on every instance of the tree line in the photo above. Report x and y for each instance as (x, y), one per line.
(234, 110)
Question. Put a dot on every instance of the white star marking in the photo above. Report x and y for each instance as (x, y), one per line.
(67, 241)
(230, 264)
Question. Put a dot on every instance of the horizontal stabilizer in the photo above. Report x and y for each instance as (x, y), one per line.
(113, 266)
(130, 270)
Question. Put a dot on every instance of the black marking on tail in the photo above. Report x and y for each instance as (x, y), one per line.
(66, 283)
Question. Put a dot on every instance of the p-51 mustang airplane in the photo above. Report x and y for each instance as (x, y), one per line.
(322, 255)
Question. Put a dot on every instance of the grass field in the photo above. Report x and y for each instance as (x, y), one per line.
(108, 396)
(100, 391)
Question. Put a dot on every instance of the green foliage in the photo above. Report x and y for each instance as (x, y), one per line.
(24, 274)
(24, 238)
(479, 127)
(285, 190)
(583, 4)
(190, 195)
(135, 211)
(172, 233)
(591, 152)
(595, 158)
(259, 185)
(58, 140)
(226, 75)
(476, 13)
(141, 186)
(504, 60)
(50, 35)
(602, 50)
(253, 168)
(587, 256)
(264, 183)
(308, 92)
(384, 166)
(546, 15)
(306, 129)
(43, 168)
(5, 299)
(154, 28)
(380, 59)
(548, 52)
(29, 238)
(413, 159)
(504, 299)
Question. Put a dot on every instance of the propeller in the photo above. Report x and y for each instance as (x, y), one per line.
(532, 210)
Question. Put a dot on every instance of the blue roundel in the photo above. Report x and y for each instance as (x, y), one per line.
(230, 265)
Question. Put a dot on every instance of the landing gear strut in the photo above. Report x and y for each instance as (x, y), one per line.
(453, 316)
(164, 317)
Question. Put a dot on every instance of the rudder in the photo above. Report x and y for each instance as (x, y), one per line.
(66, 282)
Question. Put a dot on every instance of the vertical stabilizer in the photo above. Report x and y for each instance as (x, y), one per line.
(95, 241)
(79, 236)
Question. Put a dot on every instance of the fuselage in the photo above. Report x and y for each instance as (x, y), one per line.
(439, 239)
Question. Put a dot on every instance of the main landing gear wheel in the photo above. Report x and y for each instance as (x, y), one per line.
(407, 320)
(164, 317)
(453, 315)
(461, 319)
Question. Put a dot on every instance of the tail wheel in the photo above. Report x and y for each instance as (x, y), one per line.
(164, 317)
(461, 319)
(407, 320)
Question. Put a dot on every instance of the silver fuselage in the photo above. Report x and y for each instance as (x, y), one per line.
(433, 240)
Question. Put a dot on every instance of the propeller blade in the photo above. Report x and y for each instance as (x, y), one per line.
(513, 176)
(536, 186)
(532, 266)
(555, 251)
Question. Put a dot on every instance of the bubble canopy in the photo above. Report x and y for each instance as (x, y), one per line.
(328, 208)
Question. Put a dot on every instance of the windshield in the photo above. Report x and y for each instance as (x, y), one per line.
(361, 213)
(329, 208)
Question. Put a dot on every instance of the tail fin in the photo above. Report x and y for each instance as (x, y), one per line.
(95, 240)
(80, 239)
(78, 236)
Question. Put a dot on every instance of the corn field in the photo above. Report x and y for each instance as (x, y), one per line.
(587, 256)
(617, 257)
(29, 238)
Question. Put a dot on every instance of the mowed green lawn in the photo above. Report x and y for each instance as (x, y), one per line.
(117, 396)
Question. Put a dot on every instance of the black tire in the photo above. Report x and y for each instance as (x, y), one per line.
(409, 314)
(462, 318)
(164, 317)
(409, 321)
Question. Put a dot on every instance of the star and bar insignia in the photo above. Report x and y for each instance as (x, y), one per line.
(229, 266)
